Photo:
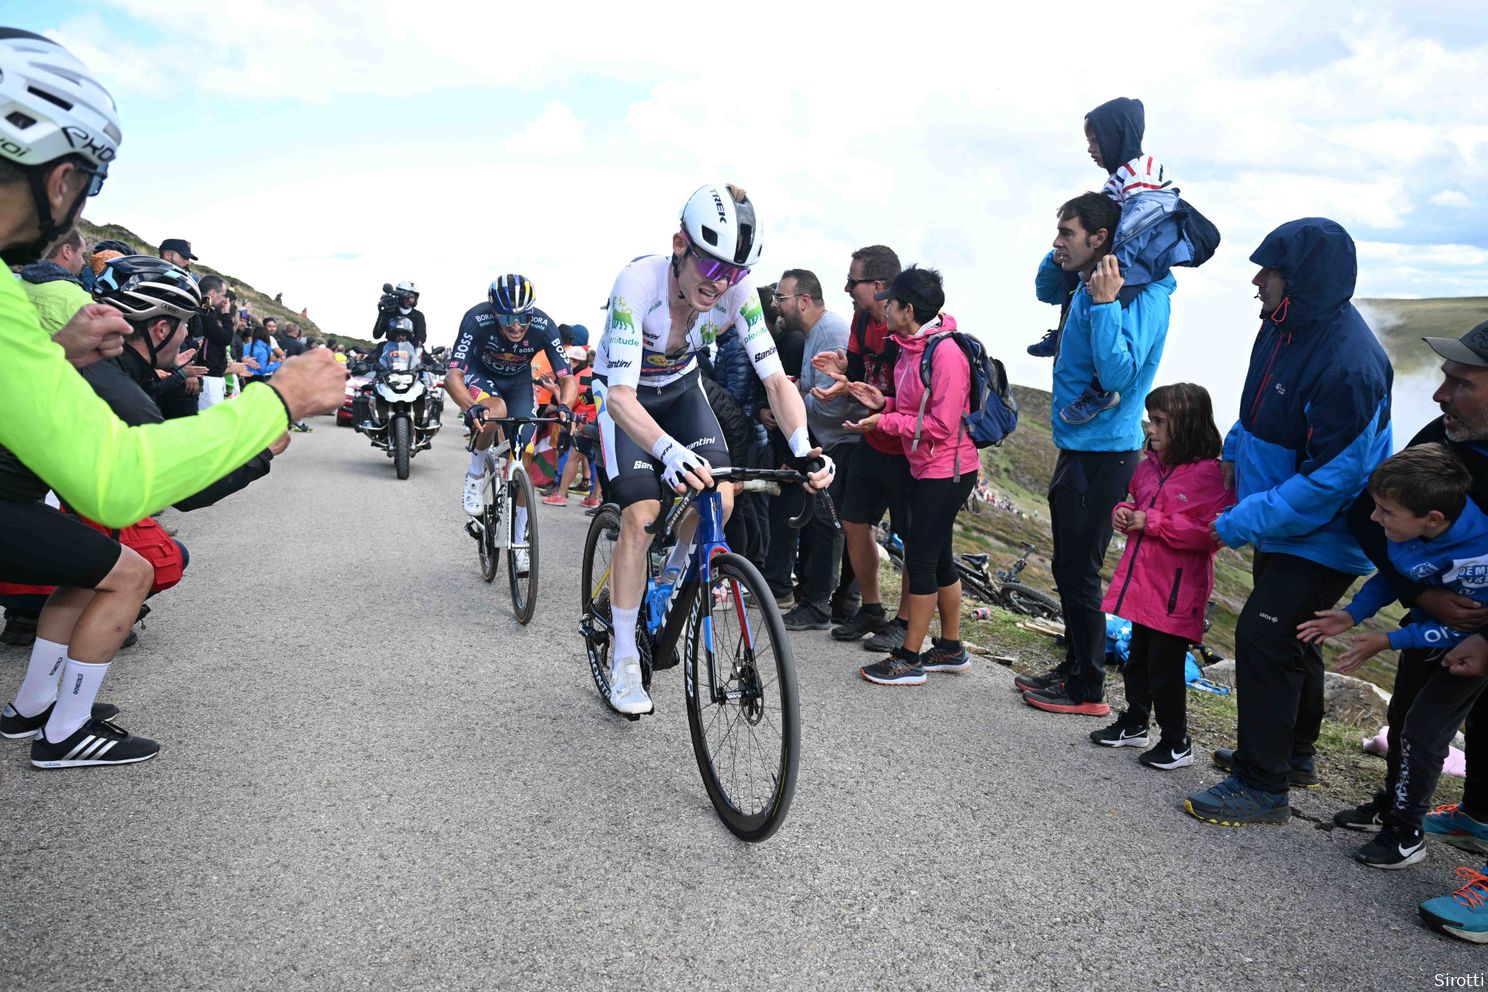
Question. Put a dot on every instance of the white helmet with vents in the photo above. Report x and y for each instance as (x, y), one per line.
(51, 106)
(719, 221)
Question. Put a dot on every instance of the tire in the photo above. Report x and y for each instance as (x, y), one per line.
(751, 796)
(1031, 602)
(594, 601)
(523, 587)
(402, 446)
(490, 554)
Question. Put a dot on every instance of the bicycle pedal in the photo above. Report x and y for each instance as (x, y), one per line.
(473, 528)
(632, 717)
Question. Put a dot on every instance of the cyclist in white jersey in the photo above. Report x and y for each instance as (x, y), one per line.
(662, 312)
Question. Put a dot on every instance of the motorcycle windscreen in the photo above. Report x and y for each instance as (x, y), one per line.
(400, 356)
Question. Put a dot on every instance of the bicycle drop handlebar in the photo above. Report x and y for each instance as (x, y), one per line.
(816, 500)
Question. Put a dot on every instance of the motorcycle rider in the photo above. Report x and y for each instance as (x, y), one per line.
(401, 302)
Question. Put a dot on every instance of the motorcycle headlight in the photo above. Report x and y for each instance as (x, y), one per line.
(401, 379)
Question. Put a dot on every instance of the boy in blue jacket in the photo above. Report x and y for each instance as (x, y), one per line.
(1437, 537)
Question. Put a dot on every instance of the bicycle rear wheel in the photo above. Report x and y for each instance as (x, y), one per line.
(742, 706)
(1031, 602)
(523, 584)
(490, 554)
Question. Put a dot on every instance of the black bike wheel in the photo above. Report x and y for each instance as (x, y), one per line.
(1031, 602)
(402, 446)
(523, 587)
(594, 601)
(490, 554)
(742, 705)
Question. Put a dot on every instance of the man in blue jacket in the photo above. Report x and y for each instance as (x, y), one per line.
(1122, 343)
(1314, 422)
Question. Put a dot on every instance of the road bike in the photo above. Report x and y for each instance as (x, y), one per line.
(507, 487)
(738, 670)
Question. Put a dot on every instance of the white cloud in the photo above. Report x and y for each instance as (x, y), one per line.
(1452, 198)
(555, 131)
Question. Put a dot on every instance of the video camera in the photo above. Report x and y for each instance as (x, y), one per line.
(390, 301)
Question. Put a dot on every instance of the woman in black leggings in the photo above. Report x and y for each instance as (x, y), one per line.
(943, 466)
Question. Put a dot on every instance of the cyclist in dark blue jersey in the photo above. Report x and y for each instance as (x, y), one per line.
(490, 371)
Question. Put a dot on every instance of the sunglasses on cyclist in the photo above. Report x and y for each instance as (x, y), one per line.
(713, 270)
(514, 319)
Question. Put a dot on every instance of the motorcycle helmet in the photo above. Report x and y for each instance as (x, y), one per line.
(512, 293)
(719, 222)
(400, 325)
(404, 290)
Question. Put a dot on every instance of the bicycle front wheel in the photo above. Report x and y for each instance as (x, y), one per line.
(742, 706)
(490, 554)
(521, 553)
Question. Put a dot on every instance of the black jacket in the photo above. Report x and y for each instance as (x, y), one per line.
(122, 383)
(420, 331)
(1371, 536)
(215, 332)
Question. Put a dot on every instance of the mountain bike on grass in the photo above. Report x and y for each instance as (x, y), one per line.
(1003, 587)
(738, 671)
(508, 489)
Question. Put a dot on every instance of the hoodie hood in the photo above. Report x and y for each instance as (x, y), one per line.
(44, 271)
(1118, 125)
(943, 322)
(1316, 258)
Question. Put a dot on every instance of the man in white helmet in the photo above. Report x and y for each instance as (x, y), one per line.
(655, 424)
(58, 135)
(401, 302)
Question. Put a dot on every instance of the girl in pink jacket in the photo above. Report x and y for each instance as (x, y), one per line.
(943, 467)
(1167, 572)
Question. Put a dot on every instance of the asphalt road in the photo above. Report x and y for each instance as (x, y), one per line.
(372, 777)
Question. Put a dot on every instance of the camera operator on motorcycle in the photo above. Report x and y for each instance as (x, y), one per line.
(400, 301)
(490, 373)
(646, 382)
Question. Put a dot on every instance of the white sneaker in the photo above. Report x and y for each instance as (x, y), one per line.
(627, 694)
(475, 495)
(524, 563)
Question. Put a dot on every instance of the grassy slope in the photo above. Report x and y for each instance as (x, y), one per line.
(1401, 324)
(260, 303)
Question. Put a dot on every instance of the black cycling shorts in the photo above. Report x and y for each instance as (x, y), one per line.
(877, 482)
(515, 390)
(42, 546)
(681, 409)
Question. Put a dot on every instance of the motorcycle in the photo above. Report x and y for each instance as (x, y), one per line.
(399, 410)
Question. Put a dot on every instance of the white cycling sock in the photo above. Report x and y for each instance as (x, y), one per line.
(80, 682)
(477, 464)
(521, 521)
(39, 687)
(677, 559)
(625, 635)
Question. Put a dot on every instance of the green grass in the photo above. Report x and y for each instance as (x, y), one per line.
(1400, 325)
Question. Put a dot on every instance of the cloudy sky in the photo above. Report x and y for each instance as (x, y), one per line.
(320, 150)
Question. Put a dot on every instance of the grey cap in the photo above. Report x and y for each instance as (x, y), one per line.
(1470, 349)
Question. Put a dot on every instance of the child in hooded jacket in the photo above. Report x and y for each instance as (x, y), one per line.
(1167, 571)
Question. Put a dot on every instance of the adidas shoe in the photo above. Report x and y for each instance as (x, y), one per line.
(15, 726)
(96, 742)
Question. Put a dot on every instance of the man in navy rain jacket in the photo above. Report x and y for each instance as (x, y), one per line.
(1314, 422)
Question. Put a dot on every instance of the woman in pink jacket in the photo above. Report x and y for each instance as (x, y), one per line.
(1167, 572)
(943, 466)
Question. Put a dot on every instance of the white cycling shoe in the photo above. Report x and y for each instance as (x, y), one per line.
(627, 694)
(524, 561)
(475, 497)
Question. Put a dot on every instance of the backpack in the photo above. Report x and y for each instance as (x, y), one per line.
(993, 413)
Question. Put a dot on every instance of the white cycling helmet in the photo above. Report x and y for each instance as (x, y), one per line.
(50, 105)
(721, 226)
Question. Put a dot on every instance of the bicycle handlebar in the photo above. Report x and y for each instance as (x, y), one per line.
(815, 499)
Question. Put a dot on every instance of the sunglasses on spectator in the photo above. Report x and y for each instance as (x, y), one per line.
(782, 297)
(853, 284)
(513, 319)
(713, 270)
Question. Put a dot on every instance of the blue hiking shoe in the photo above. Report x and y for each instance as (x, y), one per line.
(1464, 913)
(1091, 403)
(1450, 825)
(1045, 347)
(1232, 803)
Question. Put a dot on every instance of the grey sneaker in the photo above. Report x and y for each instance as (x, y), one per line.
(889, 638)
(807, 617)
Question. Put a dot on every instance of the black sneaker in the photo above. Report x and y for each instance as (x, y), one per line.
(889, 637)
(894, 670)
(1039, 683)
(1167, 756)
(1302, 776)
(96, 742)
(20, 630)
(859, 626)
(844, 610)
(1370, 816)
(943, 659)
(1393, 847)
(14, 726)
(807, 616)
(1120, 734)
